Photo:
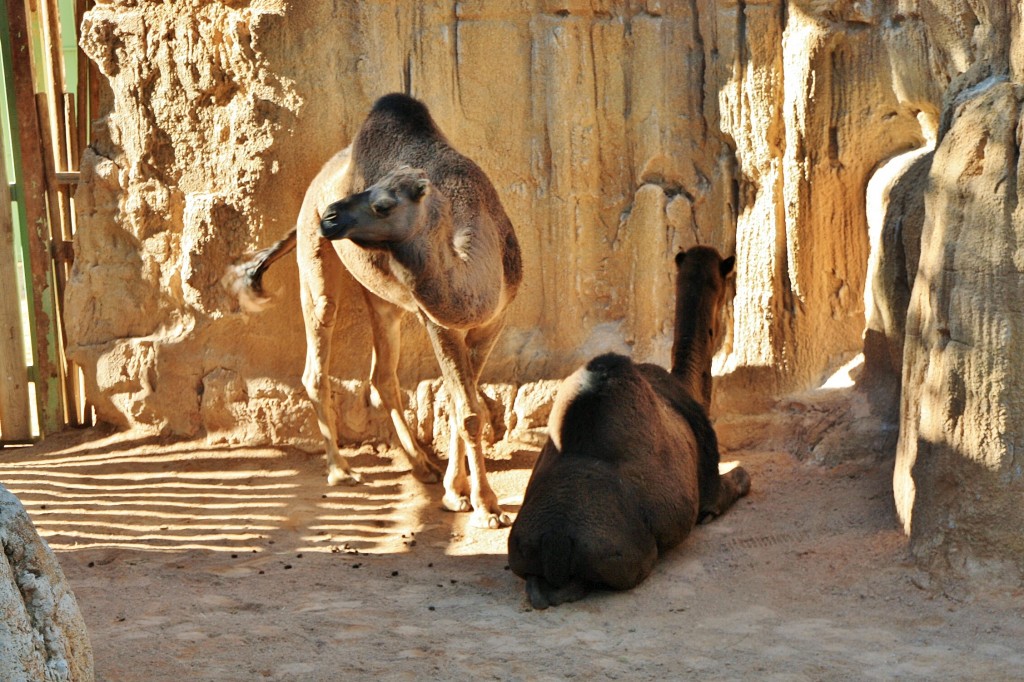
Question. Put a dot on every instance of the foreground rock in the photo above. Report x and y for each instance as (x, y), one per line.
(42, 634)
(958, 480)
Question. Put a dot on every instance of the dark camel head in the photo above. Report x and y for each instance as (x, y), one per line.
(701, 291)
(386, 212)
(702, 276)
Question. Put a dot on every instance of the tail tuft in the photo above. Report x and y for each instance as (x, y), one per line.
(241, 281)
(245, 279)
(543, 594)
(535, 591)
(558, 584)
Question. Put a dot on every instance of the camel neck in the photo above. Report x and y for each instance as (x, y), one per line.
(420, 250)
(692, 346)
(442, 269)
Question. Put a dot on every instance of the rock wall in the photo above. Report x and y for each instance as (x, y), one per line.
(42, 634)
(789, 132)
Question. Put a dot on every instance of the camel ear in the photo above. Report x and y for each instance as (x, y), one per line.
(726, 267)
(679, 257)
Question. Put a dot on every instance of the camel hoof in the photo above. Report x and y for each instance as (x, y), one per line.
(483, 518)
(456, 503)
(339, 477)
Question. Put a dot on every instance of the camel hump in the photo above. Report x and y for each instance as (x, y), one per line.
(603, 367)
(404, 115)
(587, 415)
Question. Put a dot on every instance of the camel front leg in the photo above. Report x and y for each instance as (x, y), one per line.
(386, 324)
(478, 343)
(459, 377)
(732, 485)
(456, 481)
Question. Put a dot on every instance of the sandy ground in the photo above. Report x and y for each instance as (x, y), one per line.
(199, 563)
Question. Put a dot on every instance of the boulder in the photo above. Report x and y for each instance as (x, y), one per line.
(42, 634)
(959, 477)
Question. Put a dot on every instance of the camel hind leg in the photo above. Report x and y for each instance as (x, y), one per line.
(320, 280)
(385, 322)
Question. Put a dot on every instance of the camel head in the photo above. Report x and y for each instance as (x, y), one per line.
(702, 274)
(386, 212)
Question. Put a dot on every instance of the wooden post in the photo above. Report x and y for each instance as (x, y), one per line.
(53, 68)
(27, 137)
(83, 90)
(59, 218)
(15, 412)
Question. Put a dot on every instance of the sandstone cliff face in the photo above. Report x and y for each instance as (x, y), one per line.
(615, 133)
(614, 136)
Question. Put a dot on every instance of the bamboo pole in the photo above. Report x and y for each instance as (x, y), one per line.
(27, 134)
(78, 410)
(15, 409)
(59, 148)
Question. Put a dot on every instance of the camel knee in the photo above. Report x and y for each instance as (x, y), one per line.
(323, 310)
(472, 426)
(314, 381)
(385, 391)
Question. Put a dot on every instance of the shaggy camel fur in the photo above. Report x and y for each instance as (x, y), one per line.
(420, 226)
(631, 461)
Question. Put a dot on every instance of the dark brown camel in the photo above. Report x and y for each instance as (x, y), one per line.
(420, 226)
(631, 461)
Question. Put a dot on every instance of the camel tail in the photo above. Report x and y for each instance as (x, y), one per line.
(245, 279)
(557, 585)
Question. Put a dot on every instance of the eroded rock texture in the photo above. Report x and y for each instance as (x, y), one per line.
(42, 634)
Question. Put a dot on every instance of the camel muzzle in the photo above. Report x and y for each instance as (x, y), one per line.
(335, 224)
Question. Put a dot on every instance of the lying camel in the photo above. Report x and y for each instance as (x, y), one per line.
(420, 226)
(631, 461)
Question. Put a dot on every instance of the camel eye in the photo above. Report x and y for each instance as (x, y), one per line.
(382, 206)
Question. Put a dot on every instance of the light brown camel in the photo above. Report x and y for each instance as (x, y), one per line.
(420, 226)
(631, 461)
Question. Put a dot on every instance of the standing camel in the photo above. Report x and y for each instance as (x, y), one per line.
(421, 228)
(631, 461)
